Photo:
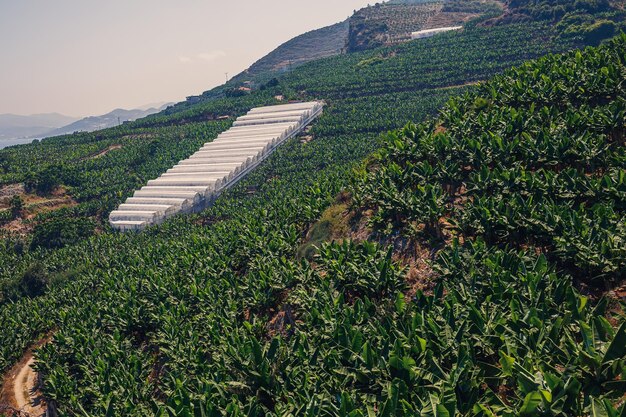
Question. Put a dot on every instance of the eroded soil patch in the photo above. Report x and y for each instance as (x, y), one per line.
(21, 394)
(103, 152)
(33, 205)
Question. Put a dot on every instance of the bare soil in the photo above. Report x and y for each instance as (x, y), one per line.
(9, 190)
(33, 205)
(20, 394)
(103, 152)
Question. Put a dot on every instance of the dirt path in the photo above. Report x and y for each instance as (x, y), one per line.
(102, 153)
(20, 395)
(450, 87)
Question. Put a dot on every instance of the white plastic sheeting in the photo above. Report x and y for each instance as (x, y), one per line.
(432, 32)
(195, 182)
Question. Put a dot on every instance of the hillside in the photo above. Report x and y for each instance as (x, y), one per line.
(393, 22)
(515, 194)
(591, 20)
(383, 24)
(418, 274)
(48, 125)
(307, 47)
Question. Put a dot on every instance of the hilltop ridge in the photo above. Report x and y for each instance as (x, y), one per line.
(316, 44)
(14, 126)
(382, 24)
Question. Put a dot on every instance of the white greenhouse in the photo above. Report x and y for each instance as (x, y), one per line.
(432, 32)
(194, 183)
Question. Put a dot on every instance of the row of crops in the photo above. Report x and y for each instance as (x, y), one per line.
(525, 178)
(443, 61)
(213, 314)
(146, 148)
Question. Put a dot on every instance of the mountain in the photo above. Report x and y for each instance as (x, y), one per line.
(381, 24)
(158, 105)
(15, 126)
(316, 44)
(392, 22)
(114, 118)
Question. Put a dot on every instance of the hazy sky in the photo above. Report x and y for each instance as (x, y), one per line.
(87, 57)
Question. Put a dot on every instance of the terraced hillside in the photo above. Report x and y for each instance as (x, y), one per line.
(235, 311)
(393, 22)
(382, 24)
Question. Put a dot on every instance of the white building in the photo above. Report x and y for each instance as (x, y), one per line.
(432, 32)
(194, 183)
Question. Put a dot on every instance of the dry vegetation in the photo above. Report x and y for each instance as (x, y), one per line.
(33, 205)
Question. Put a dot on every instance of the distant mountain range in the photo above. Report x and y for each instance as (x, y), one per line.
(45, 125)
(13, 126)
(117, 116)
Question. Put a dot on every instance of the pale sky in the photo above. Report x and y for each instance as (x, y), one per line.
(88, 57)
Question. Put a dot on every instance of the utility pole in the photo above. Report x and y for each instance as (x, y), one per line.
(118, 121)
(226, 76)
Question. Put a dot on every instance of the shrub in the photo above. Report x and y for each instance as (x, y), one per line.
(45, 181)
(17, 205)
(57, 233)
(599, 31)
(35, 281)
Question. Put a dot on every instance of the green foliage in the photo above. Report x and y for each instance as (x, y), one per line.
(362, 270)
(57, 233)
(16, 206)
(478, 53)
(236, 92)
(587, 27)
(213, 314)
(555, 9)
(530, 158)
(5, 216)
(472, 6)
(592, 21)
(44, 181)
(599, 31)
(270, 84)
(35, 281)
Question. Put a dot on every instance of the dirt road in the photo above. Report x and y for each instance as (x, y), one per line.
(20, 389)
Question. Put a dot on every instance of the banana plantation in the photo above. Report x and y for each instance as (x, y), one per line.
(511, 183)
